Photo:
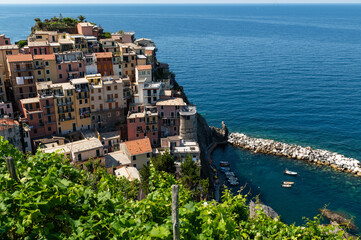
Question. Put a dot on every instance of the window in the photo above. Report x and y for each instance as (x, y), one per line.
(46, 63)
(134, 158)
(116, 95)
(31, 116)
(39, 72)
(86, 100)
(100, 97)
(115, 87)
(92, 98)
(92, 90)
(132, 120)
(80, 65)
(79, 157)
(59, 67)
(162, 114)
(126, 65)
(80, 102)
(37, 105)
(109, 88)
(98, 153)
(99, 90)
(47, 71)
(35, 51)
(148, 154)
(49, 119)
(48, 79)
(35, 131)
(135, 165)
(49, 129)
(60, 76)
(39, 115)
(93, 107)
(161, 107)
(175, 128)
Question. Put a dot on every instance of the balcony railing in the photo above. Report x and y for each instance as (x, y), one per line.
(67, 119)
(152, 122)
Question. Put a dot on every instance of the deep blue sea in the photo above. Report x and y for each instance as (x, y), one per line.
(286, 72)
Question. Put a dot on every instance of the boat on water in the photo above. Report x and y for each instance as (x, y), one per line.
(291, 173)
(233, 181)
(224, 163)
(286, 185)
(225, 169)
(230, 174)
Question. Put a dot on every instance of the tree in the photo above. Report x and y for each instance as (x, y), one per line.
(22, 43)
(81, 18)
(37, 20)
(164, 162)
(106, 35)
(144, 178)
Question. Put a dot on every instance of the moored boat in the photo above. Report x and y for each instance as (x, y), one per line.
(225, 169)
(224, 163)
(291, 173)
(286, 185)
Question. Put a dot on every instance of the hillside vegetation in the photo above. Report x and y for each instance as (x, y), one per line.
(54, 200)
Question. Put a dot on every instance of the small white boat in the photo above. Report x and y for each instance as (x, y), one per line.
(224, 163)
(286, 185)
(290, 173)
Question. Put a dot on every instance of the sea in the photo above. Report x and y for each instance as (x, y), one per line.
(291, 73)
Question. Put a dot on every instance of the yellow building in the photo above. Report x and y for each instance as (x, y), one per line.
(82, 103)
(4, 70)
(80, 44)
(45, 68)
(64, 94)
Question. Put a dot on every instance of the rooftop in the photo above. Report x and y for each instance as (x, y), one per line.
(117, 158)
(45, 57)
(29, 100)
(79, 81)
(85, 24)
(85, 145)
(171, 102)
(65, 41)
(104, 55)
(140, 146)
(38, 44)
(144, 67)
(136, 115)
(130, 173)
(43, 85)
(108, 135)
(20, 58)
(9, 47)
(46, 32)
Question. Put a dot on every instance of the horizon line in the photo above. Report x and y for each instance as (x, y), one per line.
(188, 3)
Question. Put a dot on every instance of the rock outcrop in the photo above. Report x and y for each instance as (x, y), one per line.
(338, 219)
(253, 207)
(319, 156)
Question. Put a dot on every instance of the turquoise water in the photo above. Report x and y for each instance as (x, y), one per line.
(285, 72)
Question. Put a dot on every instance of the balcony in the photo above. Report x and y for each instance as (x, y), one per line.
(67, 119)
(48, 106)
(66, 110)
(61, 104)
(82, 96)
(23, 70)
(59, 95)
(39, 66)
(82, 90)
(140, 131)
(110, 100)
(152, 122)
(152, 130)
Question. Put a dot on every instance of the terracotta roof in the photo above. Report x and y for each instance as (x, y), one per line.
(144, 67)
(140, 146)
(45, 57)
(104, 55)
(20, 58)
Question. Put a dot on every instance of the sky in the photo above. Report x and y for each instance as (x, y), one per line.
(176, 1)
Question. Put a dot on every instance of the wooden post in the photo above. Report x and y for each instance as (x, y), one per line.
(175, 216)
(11, 168)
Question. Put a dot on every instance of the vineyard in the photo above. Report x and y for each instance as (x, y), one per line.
(54, 200)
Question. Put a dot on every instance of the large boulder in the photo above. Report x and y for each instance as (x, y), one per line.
(253, 207)
(338, 219)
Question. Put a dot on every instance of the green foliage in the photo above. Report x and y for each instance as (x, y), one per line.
(22, 43)
(164, 162)
(54, 200)
(106, 35)
(81, 18)
(56, 24)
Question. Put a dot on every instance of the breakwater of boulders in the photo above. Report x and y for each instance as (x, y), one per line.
(323, 157)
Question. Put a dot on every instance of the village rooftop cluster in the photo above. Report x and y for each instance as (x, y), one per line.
(88, 95)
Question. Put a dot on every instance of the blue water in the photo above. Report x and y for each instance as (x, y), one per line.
(285, 72)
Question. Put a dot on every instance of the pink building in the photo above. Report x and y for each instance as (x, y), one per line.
(39, 114)
(144, 124)
(69, 66)
(169, 117)
(6, 109)
(85, 28)
(4, 40)
(38, 48)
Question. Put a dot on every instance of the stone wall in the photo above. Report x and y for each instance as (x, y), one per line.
(324, 157)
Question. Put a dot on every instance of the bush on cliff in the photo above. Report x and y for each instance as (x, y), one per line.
(54, 200)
